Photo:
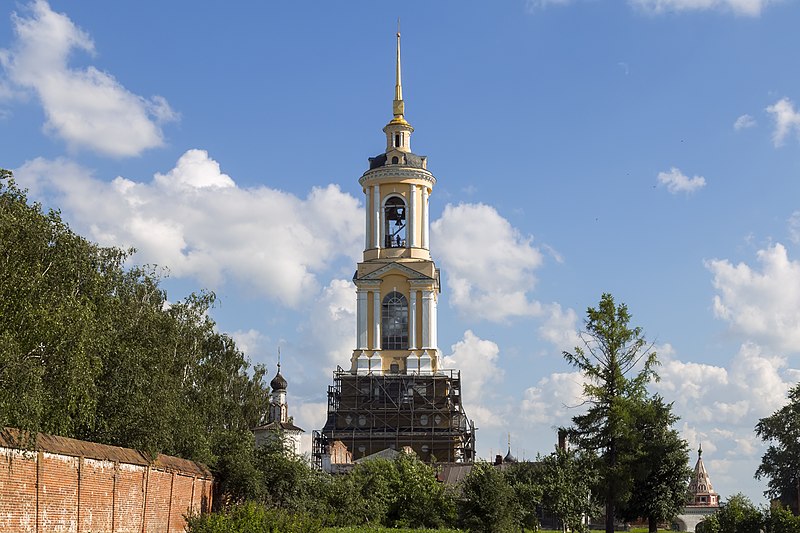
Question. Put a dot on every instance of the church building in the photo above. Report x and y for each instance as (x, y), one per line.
(395, 393)
(279, 424)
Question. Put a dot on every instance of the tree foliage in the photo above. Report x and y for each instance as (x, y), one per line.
(402, 492)
(488, 503)
(567, 479)
(91, 348)
(617, 363)
(781, 462)
(736, 515)
(658, 460)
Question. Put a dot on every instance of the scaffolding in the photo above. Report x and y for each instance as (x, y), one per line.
(372, 412)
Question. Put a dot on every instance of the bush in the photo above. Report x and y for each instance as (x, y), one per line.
(781, 520)
(253, 518)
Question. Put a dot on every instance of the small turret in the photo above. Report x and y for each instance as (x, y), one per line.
(700, 488)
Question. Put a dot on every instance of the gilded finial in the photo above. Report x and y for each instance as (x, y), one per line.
(398, 108)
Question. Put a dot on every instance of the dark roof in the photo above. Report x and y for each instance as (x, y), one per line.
(411, 160)
(278, 382)
(509, 458)
(14, 438)
(453, 473)
(274, 426)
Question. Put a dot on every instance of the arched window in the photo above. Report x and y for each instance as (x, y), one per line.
(395, 223)
(394, 322)
(397, 139)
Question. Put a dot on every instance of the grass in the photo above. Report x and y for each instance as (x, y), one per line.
(367, 529)
(378, 529)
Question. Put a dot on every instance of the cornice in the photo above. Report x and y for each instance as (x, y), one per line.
(397, 172)
(410, 273)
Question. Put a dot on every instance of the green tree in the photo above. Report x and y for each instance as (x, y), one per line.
(658, 459)
(779, 519)
(289, 481)
(375, 482)
(525, 478)
(736, 515)
(567, 479)
(617, 363)
(781, 462)
(420, 500)
(488, 503)
(91, 349)
(402, 492)
(55, 295)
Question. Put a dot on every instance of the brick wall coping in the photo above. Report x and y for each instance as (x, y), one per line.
(17, 439)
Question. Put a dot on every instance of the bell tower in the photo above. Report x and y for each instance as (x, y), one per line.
(394, 394)
(397, 281)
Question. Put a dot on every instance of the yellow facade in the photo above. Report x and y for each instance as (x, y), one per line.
(397, 280)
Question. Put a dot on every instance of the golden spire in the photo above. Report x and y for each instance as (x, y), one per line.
(398, 108)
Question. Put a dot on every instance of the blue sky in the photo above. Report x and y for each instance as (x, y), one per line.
(647, 148)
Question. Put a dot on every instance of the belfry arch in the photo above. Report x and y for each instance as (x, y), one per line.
(394, 222)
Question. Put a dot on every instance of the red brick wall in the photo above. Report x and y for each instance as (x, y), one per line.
(58, 492)
(129, 498)
(159, 487)
(96, 508)
(17, 491)
(81, 495)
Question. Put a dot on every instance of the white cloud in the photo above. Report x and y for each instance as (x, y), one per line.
(676, 182)
(560, 328)
(195, 170)
(85, 107)
(743, 122)
(786, 119)
(533, 5)
(248, 342)
(308, 416)
(554, 400)
(477, 359)
(720, 405)
(794, 227)
(726, 399)
(494, 283)
(197, 222)
(332, 325)
(751, 8)
(760, 303)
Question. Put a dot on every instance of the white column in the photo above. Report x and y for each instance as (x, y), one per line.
(376, 315)
(425, 229)
(412, 320)
(367, 212)
(412, 217)
(376, 215)
(434, 322)
(361, 320)
(427, 311)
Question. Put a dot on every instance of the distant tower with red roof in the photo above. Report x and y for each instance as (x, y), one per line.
(703, 500)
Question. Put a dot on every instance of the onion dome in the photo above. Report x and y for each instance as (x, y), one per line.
(278, 382)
